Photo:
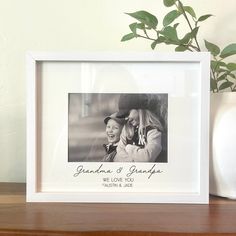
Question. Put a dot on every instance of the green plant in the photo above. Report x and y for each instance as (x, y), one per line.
(146, 26)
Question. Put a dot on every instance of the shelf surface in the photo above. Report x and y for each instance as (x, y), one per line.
(20, 218)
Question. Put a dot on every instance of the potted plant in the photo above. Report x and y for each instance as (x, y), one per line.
(222, 79)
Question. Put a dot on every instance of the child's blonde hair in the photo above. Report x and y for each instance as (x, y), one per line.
(146, 118)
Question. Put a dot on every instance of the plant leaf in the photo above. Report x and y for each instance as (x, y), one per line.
(170, 17)
(181, 48)
(225, 85)
(220, 70)
(128, 37)
(140, 26)
(170, 33)
(176, 25)
(153, 45)
(232, 75)
(212, 48)
(145, 18)
(221, 63)
(159, 40)
(204, 17)
(190, 11)
(222, 77)
(169, 3)
(231, 66)
(186, 38)
(228, 50)
(214, 65)
(194, 32)
(133, 27)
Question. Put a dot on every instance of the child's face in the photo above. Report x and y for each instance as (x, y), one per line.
(113, 130)
(133, 118)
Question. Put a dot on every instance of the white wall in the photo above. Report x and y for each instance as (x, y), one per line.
(74, 25)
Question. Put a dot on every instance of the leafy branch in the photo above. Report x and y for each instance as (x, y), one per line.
(222, 73)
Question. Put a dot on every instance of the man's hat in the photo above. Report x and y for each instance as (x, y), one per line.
(131, 101)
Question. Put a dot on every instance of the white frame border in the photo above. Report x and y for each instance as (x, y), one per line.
(144, 197)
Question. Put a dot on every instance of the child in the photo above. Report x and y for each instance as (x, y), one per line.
(114, 127)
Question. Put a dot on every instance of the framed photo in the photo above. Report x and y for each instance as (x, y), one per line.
(118, 127)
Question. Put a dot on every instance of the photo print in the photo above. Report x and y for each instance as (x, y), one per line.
(105, 127)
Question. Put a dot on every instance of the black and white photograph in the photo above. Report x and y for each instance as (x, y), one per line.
(112, 127)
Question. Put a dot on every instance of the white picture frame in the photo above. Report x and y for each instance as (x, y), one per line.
(51, 176)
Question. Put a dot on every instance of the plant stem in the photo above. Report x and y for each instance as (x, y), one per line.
(194, 47)
(145, 37)
(190, 26)
(214, 78)
(145, 32)
(187, 47)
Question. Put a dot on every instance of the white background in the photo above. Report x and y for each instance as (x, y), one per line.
(74, 25)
